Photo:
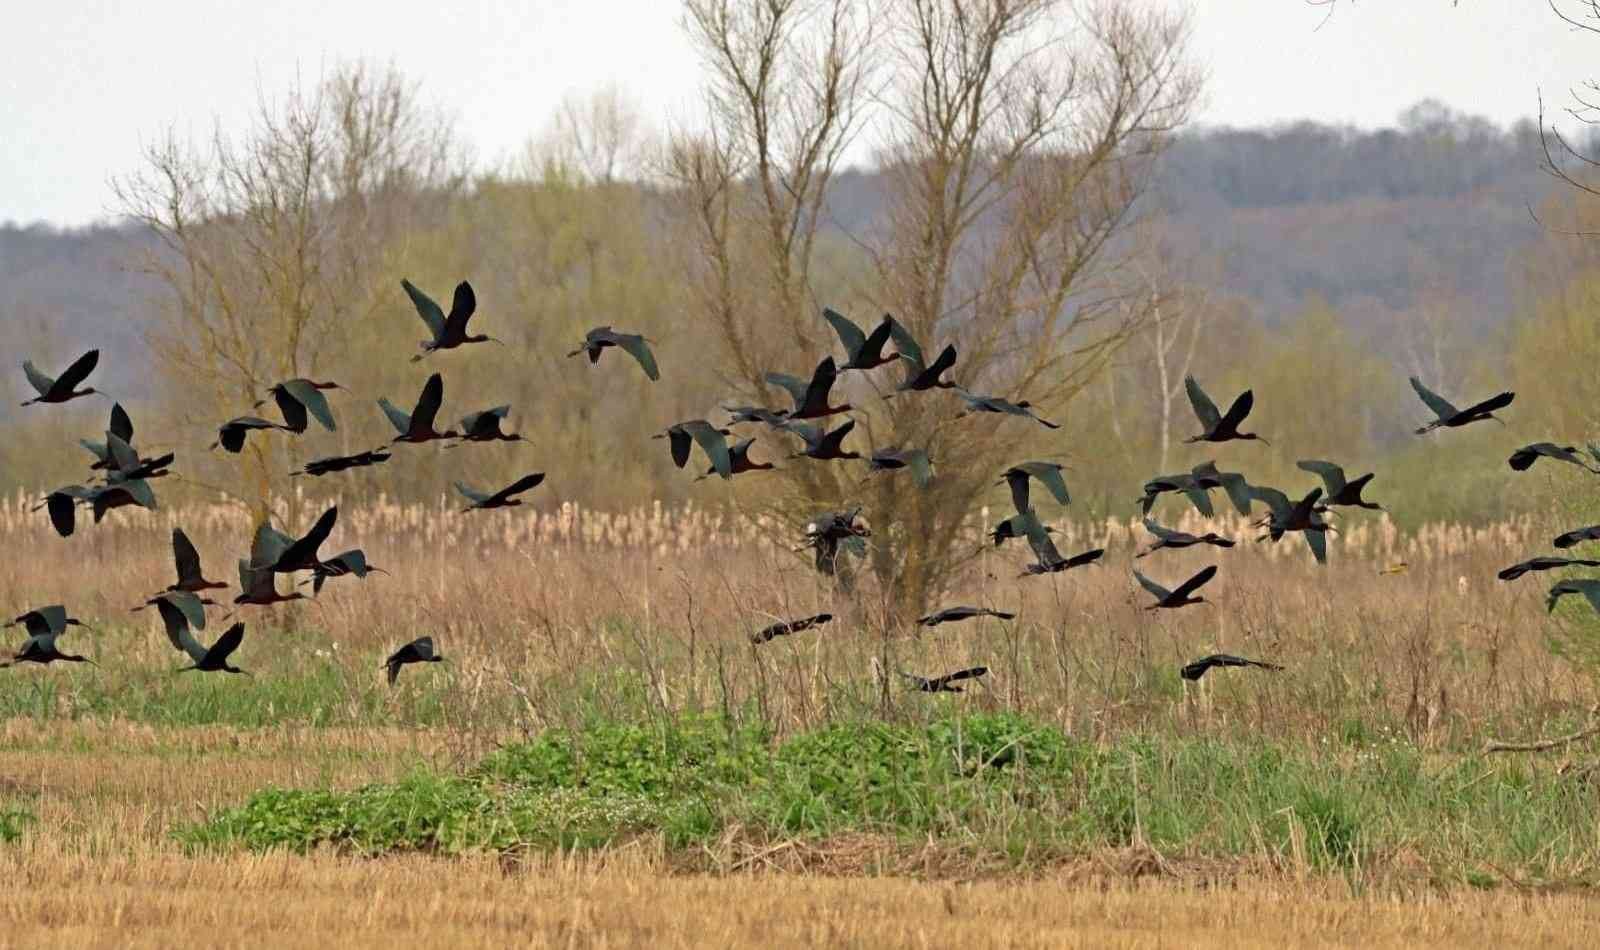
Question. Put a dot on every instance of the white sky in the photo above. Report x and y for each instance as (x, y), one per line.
(84, 82)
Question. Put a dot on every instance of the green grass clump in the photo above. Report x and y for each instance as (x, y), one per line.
(12, 823)
(994, 783)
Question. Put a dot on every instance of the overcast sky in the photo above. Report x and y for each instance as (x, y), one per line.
(84, 82)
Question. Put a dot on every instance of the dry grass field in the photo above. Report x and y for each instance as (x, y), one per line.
(559, 620)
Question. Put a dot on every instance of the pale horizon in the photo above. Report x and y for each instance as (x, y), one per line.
(500, 70)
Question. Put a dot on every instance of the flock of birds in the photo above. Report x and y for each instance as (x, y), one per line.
(125, 477)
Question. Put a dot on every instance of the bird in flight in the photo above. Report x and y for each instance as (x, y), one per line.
(448, 332)
(954, 614)
(419, 650)
(636, 346)
(1179, 596)
(785, 627)
(1220, 427)
(1449, 417)
(944, 684)
(64, 387)
(1197, 669)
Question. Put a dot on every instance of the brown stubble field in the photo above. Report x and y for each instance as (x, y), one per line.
(550, 618)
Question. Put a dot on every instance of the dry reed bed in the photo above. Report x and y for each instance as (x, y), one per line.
(161, 900)
(647, 612)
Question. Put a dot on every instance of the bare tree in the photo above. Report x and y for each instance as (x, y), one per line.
(600, 136)
(273, 247)
(1018, 138)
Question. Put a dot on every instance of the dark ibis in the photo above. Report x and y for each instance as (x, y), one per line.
(187, 561)
(1197, 669)
(127, 465)
(419, 650)
(352, 563)
(682, 436)
(504, 498)
(417, 427)
(1015, 526)
(994, 404)
(1048, 558)
(1304, 516)
(785, 627)
(231, 434)
(833, 532)
(62, 506)
(636, 346)
(52, 620)
(1169, 538)
(135, 493)
(811, 398)
(179, 608)
(772, 417)
(739, 459)
(893, 459)
(120, 426)
(298, 397)
(920, 376)
(1449, 417)
(341, 463)
(258, 586)
(1543, 564)
(1588, 587)
(301, 553)
(1220, 427)
(1522, 459)
(485, 426)
(213, 659)
(862, 350)
(1047, 474)
(956, 614)
(44, 626)
(945, 683)
(63, 387)
(449, 331)
(1578, 536)
(822, 445)
(1180, 595)
(1340, 492)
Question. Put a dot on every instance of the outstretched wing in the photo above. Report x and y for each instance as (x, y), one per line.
(400, 420)
(1318, 542)
(120, 426)
(518, 487)
(194, 612)
(139, 490)
(176, 622)
(185, 557)
(428, 402)
(1017, 481)
(62, 507)
(1165, 534)
(426, 309)
(225, 645)
(471, 494)
(77, 372)
(849, 334)
(462, 307)
(1440, 406)
(1196, 582)
(637, 347)
(795, 385)
(1201, 501)
(1331, 474)
(1240, 409)
(123, 457)
(39, 381)
(307, 546)
(714, 445)
(1272, 498)
(967, 674)
(815, 396)
(1492, 403)
(906, 347)
(1159, 592)
(311, 397)
(1039, 539)
(1049, 475)
(1204, 409)
(921, 467)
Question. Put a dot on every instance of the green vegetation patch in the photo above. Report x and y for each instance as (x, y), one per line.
(995, 783)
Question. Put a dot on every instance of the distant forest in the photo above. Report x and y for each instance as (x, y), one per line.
(1371, 223)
